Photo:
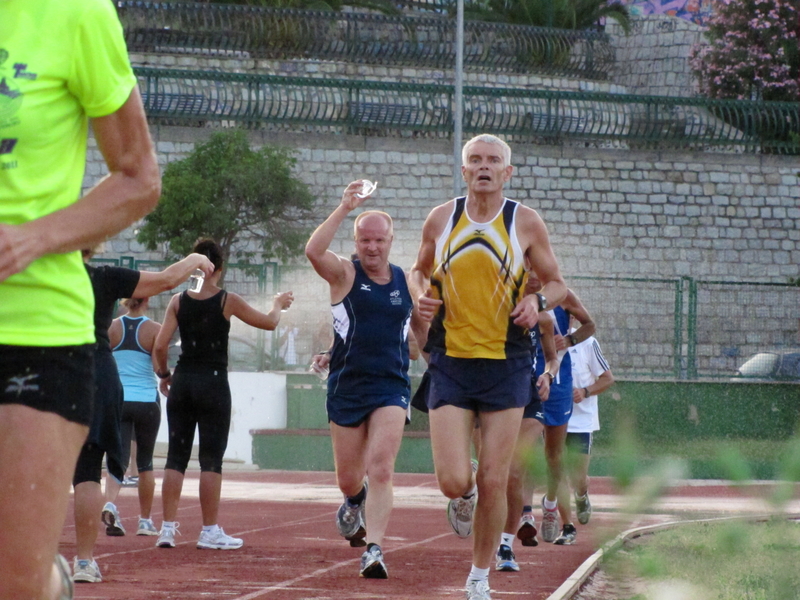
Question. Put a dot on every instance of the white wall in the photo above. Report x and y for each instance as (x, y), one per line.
(258, 402)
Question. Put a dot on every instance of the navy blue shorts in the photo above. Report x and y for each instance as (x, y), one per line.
(58, 379)
(580, 442)
(555, 411)
(479, 384)
(352, 411)
(534, 408)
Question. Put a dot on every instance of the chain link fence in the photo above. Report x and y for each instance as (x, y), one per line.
(668, 328)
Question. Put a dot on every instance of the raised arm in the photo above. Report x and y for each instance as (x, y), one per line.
(128, 193)
(336, 270)
(236, 306)
(155, 282)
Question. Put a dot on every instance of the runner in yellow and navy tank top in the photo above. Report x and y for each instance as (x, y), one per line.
(486, 261)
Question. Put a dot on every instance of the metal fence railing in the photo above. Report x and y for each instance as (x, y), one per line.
(669, 328)
(399, 109)
(729, 321)
(360, 37)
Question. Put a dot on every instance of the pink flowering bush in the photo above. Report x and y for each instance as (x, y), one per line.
(752, 52)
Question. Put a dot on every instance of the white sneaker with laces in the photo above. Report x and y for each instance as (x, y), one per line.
(549, 523)
(478, 590)
(166, 539)
(218, 540)
(146, 527)
(86, 571)
(64, 572)
(110, 517)
(461, 511)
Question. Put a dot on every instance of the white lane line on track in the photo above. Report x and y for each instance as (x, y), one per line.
(189, 542)
(286, 584)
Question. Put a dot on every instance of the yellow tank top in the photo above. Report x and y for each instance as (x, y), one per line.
(478, 273)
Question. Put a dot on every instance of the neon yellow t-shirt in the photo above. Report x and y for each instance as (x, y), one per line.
(61, 61)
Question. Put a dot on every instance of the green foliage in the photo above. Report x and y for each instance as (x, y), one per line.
(240, 197)
(560, 14)
(788, 473)
(733, 464)
(626, 452)
(724, 561)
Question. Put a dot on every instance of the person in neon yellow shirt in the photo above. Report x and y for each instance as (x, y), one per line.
(61, 63)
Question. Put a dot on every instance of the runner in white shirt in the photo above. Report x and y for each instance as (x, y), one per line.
(591, 376)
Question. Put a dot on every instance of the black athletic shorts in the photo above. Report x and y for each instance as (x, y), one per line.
(57, 379)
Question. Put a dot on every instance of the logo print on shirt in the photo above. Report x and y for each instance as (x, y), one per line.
(17, 385)
(21, 72)
(479, 232)
(365, 287)
(395, 298)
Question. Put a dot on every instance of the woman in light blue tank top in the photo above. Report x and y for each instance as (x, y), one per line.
(132, 337)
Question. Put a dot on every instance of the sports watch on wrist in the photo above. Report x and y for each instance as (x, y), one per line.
(542, 302)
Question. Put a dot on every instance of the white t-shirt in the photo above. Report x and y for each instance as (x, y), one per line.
(588, 364)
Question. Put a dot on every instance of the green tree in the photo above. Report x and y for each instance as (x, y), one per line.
(238, 196)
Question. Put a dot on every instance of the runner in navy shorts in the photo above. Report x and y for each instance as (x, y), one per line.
(479, 384)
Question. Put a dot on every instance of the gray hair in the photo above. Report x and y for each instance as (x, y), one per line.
(487, 138)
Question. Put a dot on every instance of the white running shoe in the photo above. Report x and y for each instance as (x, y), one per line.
(460, 513)
(86, 571)
(351, 520)
(146, 527)
(166, 539)
(549, 523)
(584, 508)
(110, 517)
(218, 540)
(373, 565)
(505, 559)
(478, 590)
(64, 572)
(527, 530)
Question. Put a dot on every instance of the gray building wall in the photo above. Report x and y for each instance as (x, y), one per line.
(608, 211)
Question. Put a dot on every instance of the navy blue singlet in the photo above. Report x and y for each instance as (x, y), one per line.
(370, 347)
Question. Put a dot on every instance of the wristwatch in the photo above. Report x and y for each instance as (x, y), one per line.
(164, 375)
(549, 374)
(542, 302)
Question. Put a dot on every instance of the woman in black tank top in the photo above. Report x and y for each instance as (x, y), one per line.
(198, 394)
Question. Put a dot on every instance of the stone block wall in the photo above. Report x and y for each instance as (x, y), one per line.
(616, 211)
(653, 58)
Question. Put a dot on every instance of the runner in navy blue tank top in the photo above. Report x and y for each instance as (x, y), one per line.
(368, 386)
(550, 416)
(198, 395)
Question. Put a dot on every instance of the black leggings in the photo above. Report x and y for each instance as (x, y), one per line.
(199, 399)
(142, 420)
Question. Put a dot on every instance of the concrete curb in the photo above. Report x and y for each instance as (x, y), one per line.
(575, 581)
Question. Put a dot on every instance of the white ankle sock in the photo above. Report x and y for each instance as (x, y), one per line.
(477, 574)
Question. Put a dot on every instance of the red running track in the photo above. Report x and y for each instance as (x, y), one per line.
(292, 550)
